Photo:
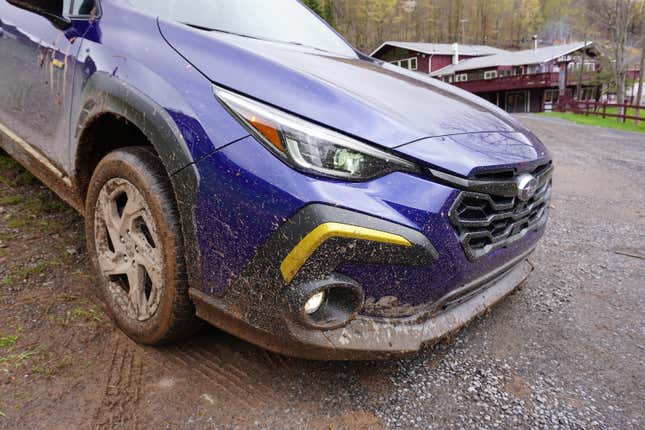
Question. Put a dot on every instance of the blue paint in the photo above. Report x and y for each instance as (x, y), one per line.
(245, 192)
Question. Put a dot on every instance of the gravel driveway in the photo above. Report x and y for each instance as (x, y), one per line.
(567, 351)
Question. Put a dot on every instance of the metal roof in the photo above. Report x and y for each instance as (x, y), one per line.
(443, 48)
(518, 58)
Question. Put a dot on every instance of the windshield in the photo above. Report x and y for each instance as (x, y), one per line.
(285, 21)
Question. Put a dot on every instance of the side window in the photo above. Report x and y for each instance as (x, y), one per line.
(82, 7)
(410, 63)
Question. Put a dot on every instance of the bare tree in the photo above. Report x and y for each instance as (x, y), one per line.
(617, 18)
(504, 23)
(639, 97)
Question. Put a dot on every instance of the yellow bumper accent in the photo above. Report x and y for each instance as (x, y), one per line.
(307, 246)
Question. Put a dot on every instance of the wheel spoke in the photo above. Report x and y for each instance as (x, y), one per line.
(148, 257)
(111, 219)
(137, 293)
(112, 264)
(134, 208)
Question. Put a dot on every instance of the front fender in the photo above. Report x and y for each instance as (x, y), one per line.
(105, 94)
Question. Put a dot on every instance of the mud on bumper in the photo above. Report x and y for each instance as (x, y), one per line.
(258, 307)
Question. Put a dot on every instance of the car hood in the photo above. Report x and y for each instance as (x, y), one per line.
(359, 96)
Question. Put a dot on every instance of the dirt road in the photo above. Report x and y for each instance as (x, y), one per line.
(567, 351)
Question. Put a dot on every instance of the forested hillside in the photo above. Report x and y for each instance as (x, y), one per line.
(503, 23)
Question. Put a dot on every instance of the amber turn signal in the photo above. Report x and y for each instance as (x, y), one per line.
(269, 132)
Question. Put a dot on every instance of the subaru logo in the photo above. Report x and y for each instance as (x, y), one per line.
(527, 186)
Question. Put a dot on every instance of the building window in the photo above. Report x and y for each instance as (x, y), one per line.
(551, 96)
(408, 63)
(535, 69)
(589, 66)
(491, 74)
(588, 94)
(461, 77)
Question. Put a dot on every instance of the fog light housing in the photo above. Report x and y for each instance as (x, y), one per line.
(315, 302)
(327, 303)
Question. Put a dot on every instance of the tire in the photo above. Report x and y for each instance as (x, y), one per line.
(135, 243)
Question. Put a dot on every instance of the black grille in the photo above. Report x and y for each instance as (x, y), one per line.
(486, 222)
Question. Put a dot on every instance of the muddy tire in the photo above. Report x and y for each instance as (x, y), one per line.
(134, 240)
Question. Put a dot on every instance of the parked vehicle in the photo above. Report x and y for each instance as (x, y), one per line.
(241, 163)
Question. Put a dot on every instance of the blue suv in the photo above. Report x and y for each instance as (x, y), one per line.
(239, 162)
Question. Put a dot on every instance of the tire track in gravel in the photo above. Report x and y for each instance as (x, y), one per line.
(119, 405)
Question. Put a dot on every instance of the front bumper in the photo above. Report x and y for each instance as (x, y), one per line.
(254, 214)
(367, 338)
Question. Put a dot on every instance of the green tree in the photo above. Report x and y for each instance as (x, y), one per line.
(328, 12)
(314, 5)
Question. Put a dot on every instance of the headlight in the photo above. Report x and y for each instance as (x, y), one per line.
(309, 147)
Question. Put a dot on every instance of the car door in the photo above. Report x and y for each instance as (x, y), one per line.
(38, 62)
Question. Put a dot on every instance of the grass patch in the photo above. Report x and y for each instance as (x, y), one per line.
(52, 367)
(17, 360)
(13, 175)
(46, 203)
(25, 178)
(52, 205)
(81, 312)
(24, 273)
(17, 223)
(598, 121)
(7, 341)
(7, 162)
(6, 237)
(11, 201)
(86, 313)
(39, 267)
(630, 111)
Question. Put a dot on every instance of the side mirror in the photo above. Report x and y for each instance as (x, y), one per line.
(50, 9)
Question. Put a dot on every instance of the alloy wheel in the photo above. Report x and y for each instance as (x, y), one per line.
(129, 251)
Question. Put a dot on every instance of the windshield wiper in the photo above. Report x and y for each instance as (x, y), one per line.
(219, 30)
(303, 45)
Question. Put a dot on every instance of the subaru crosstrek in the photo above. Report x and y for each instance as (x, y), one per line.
(239, 162)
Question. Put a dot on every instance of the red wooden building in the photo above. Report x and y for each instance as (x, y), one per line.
(517, 81)
(530, 80)
(430, 57)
